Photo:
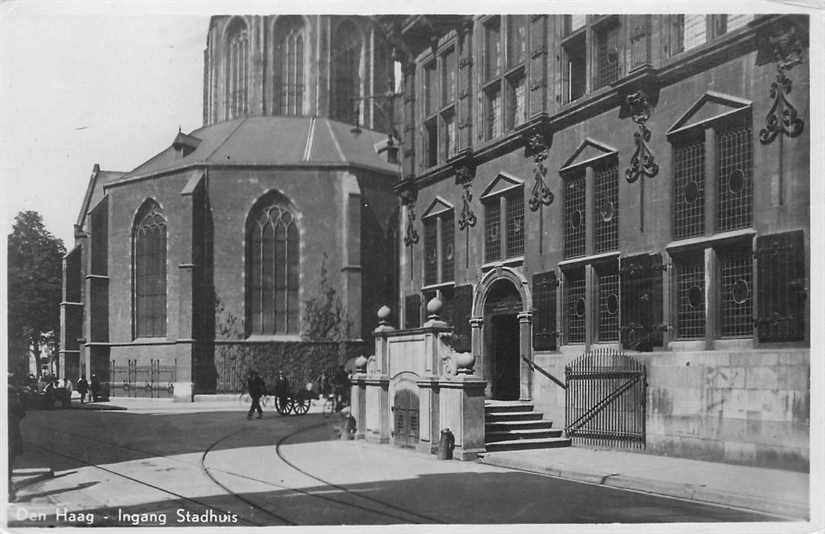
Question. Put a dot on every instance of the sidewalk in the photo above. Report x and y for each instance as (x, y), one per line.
(772, 491)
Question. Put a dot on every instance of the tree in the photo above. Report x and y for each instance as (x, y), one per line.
(35, 267)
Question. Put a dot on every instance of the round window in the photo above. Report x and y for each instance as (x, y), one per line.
(576, 219)
(612, 304)
(740, 292)
(580, 307)
(736, 181)
(695, 297)
(607, 212)
(691, 192)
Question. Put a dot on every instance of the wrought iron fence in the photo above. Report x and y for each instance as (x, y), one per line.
(605, 400)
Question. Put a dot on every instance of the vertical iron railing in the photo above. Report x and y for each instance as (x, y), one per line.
(605, 400)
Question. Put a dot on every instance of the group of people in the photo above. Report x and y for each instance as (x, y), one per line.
(337, 385)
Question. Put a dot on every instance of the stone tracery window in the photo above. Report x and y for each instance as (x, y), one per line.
(289, 57)
(149, 272)
(346, 61)
(237, 70)
(272, 263)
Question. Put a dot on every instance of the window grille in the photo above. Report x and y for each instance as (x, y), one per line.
(517, 112)
(780, 260)
(736, 295)
(412, 311)
(606, 208)
(641, 286)
(150, 273)
(574, 217)
(448, 77)
(447, 247)
(493, 96)
(273, 264)
(430, 89)
(693, 31)
(735, 190)
(574, 22)
(690, 289)
(609, 306)
(516, 39)
(737, 21)
(515, 223)
(576, 309)
(607, 56)
(449, 134)
(544, 311)
(689, 189)
(431, 132)
(492, 230)
(492, 49)
(430, 251)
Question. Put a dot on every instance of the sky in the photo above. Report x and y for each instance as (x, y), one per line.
(80, 88)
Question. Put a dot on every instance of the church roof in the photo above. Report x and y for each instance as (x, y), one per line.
(271, 141)
(94, 191)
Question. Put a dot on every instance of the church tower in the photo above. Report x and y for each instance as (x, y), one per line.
(333, 66)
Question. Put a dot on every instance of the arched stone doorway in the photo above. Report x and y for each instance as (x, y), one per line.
(502, 332)
(405, 410)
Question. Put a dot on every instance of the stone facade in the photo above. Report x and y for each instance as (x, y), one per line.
(550, 200)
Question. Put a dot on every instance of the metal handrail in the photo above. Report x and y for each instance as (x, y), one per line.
(535, 367)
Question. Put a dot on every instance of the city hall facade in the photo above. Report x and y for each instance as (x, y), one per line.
(634, 184)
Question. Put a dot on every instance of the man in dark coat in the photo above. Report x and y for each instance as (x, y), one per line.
(82, 388)
(256, 388)
(281, 390)
(341, 383)
(95, 388)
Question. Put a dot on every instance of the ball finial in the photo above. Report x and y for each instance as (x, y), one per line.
(434, 306)
(384, 313)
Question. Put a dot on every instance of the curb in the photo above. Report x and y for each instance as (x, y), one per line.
(691, 492)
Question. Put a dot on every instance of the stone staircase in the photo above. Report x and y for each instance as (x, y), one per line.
(513, 425)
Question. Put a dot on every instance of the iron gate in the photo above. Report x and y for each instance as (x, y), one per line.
(132, 380)
(405, 415)
(605, 400)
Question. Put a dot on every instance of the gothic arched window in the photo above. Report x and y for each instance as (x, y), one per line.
(237, 76)
(289, 57)
(346, 60)
(272, 260)
(149, 253)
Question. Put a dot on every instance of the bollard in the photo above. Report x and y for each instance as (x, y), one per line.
(446, 445)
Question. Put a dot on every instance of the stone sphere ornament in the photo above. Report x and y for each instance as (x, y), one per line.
(434, 306)
(361, 363)
(384, 313)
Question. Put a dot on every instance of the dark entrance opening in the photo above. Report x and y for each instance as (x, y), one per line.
(502, 366)
(405, 414)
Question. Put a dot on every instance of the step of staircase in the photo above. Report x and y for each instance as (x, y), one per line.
(516, 425)
(521, 444)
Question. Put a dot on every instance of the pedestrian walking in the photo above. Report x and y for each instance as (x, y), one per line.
(95, 389)
(256, 387)
(341, 383)
(16, 413)
(82, 388)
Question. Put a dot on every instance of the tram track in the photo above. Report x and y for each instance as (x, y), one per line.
(364, 503)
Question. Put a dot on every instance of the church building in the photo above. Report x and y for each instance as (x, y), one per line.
(261, 240)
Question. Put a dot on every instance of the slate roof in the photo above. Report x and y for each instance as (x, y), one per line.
(274, 141)
(94, 191)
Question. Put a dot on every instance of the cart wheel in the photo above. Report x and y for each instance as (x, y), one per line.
(292, 406)
(282, 406)
(303, 406)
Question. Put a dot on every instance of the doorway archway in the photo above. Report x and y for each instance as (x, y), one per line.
(502, 332)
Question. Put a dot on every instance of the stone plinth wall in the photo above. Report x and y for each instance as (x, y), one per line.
(748, 407)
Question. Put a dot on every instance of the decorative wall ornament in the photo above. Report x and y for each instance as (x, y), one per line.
(786, 47)
(409, 194)
(642, 162)
(464, 177)
(538, 147)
